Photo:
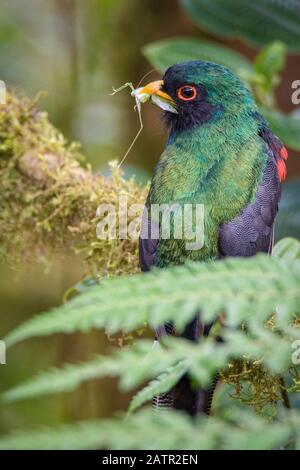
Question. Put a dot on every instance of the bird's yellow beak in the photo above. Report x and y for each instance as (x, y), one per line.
(153, 91)
(155, 88)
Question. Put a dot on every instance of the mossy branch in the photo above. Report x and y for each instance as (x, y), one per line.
(49, 195)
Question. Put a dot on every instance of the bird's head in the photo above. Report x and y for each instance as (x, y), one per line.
(193, 93)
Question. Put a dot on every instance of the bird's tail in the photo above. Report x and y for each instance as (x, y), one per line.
(193, 401)
(184, 396)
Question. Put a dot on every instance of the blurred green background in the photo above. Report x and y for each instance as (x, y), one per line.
(76, 50)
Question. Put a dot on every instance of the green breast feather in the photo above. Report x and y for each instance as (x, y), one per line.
(218, 165)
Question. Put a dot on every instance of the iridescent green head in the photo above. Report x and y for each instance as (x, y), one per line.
(192, 93)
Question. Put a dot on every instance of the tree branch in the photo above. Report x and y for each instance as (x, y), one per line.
(49, 196)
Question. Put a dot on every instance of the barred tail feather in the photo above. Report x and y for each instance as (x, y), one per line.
(163, 402)
(183, 396)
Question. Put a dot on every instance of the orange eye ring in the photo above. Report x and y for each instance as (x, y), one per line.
(187, 93)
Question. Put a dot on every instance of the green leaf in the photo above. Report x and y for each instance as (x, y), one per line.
(173, 430)
(200, 362)
(133, 366)
(248, 434)
(163, 54)
(56, 380)
(85, 435)
(126, 364)
(285, 126)
(166, 365)
(288, 218)
(270, 61)
(80, 287)
(162, 384)
(257, 22)
(288, 248)
(240, 287)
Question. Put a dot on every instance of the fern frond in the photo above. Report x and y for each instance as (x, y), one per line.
(162, 384)
(287, 248)
(133, 366)
(85, 435)
(243, 288)
(166, 365)
(64, 379)
(171, 430)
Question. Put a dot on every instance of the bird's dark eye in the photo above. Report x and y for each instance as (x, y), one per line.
(187, 93)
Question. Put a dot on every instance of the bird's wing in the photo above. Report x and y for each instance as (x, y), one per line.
(148, 245)
(149, 239)
(252, 231)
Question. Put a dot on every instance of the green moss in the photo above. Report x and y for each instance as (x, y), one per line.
(50, 196)
(254, 385)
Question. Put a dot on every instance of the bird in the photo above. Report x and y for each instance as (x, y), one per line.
(220, 153)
